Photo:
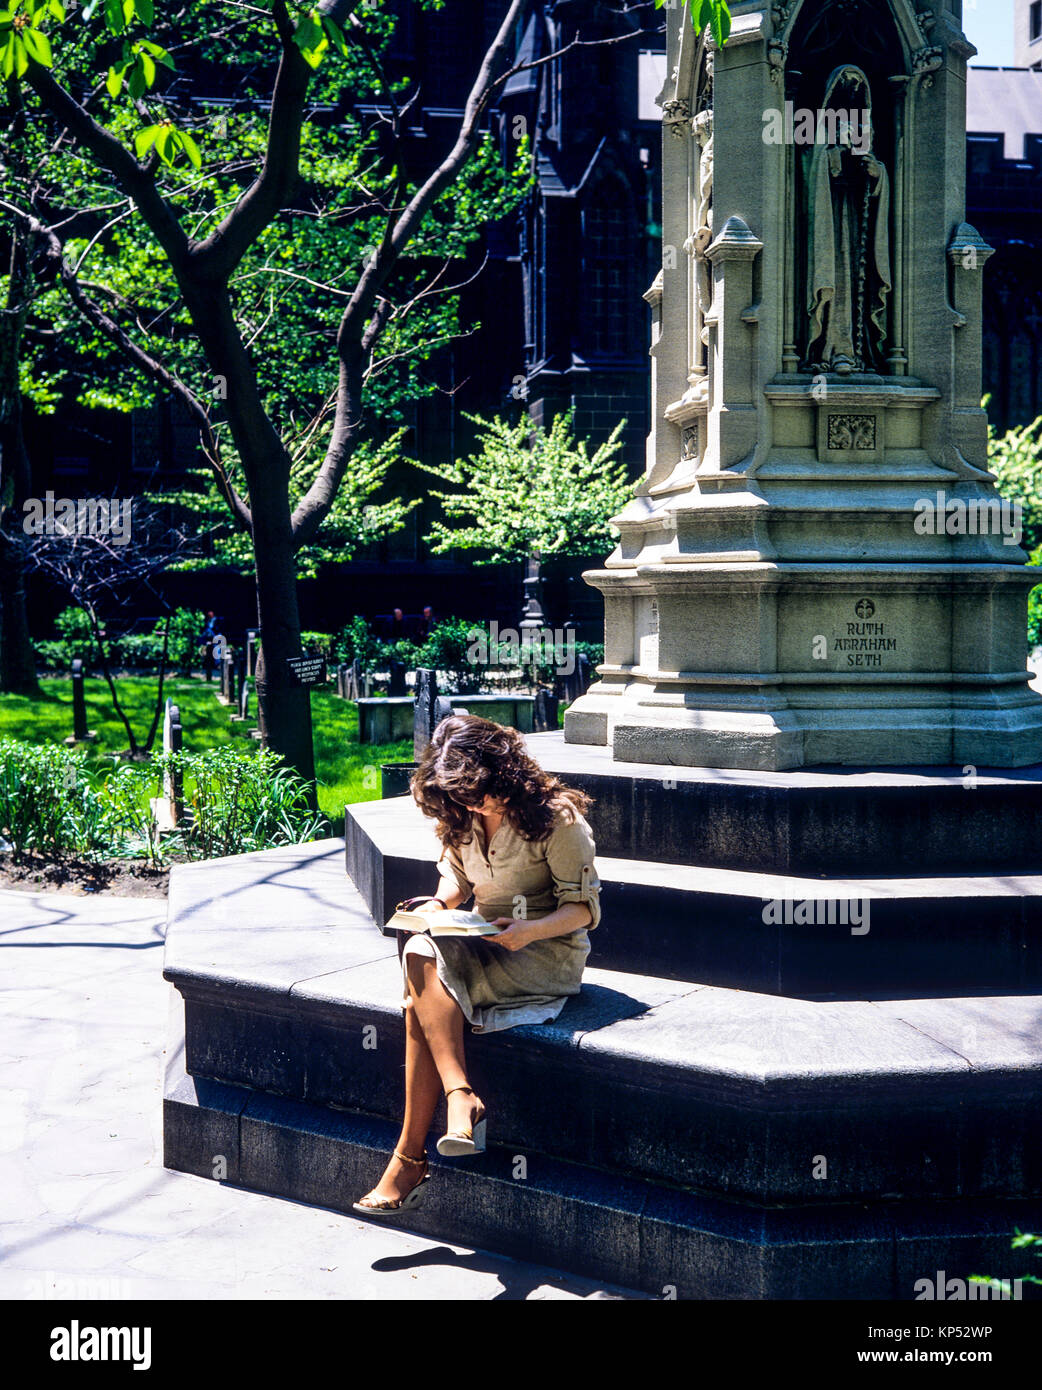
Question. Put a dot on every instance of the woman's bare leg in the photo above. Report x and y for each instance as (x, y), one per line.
(441, 1020)
(434, 1060)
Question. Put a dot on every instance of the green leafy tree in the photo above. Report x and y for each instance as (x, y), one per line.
(530, 492)
(213, 204)
(1016, 460)
(216, 304)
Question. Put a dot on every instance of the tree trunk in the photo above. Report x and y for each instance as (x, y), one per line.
(17, 657)
(283, 709)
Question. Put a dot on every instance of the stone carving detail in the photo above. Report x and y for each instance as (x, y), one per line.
(696, 246)
(676, 114)
(777, 52)
(925, 62)
(689, 436)
(852, 432)
(848, 238)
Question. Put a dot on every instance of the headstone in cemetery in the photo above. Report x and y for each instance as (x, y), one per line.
(424, 709)
(228, 674)
(349, 680)
(817, 567)
(218, 646)
(582, 671)
(575, 682)
(252, 643)
(242, 714)
(398, 686)
(168, 809)
(544, 713)
(80, 732)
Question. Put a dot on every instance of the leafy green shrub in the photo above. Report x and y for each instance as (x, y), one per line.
(1035, 606)
(1022, 1240)
(356, 641)
(76, 636)
(49, 803)
(186, 626)
(242, 801)
(401, 649)
(128, 792)
(53, 655)
(140, 649)
(1016, 460)
(318, 643)
(447, 649)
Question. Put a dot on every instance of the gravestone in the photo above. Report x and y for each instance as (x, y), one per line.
(252, 642)
(242, 714)
(429, 709)
(815, 567)
(218, 644)
(424, 709)
(544, 712)
(350, 683)
(168, 809)
(576, 682)
(582, 672)
(397, 686)
(228, 675)
(79, 704)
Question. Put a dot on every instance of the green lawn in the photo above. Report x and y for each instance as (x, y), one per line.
(346, 770)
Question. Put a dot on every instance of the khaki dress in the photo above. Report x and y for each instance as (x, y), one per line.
(515, 877)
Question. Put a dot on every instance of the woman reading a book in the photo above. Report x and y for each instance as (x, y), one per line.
(515, 838)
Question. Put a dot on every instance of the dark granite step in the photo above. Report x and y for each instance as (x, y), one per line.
(672, 1245)
(836, 937)
(289, 989)
(839, 822)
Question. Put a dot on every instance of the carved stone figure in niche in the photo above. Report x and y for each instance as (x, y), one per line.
(848, 239)
(696, 246)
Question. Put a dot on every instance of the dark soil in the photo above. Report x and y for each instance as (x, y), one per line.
(121, 878)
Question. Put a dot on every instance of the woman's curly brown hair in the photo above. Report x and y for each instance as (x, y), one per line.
(469, 758)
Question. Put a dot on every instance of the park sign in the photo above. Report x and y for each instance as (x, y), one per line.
(306, 670)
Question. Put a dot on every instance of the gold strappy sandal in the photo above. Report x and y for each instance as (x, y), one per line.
(460, 1143)
(389, 1206)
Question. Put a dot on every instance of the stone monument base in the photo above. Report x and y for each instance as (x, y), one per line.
(774, 726)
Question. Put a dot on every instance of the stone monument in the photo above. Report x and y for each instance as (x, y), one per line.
(816, 567)
(805, 1060)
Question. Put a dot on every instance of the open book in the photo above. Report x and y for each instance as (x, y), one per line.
(446, 922)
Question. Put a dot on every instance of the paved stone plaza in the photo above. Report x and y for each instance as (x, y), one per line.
(86, 1206)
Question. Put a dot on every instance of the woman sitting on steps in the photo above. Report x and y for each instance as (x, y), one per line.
(516, 838)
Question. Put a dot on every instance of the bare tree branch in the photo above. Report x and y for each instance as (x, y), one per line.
(364, 319)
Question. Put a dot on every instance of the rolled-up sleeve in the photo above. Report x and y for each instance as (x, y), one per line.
(450, 865)
(570, 855)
